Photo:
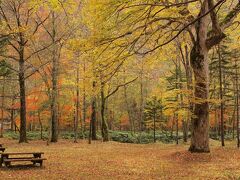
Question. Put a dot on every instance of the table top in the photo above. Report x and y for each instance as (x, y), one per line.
(22, 153)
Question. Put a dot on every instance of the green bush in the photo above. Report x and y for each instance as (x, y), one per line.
(141, 138)
(119, 136)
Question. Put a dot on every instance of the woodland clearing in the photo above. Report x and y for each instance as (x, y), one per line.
(112, 160)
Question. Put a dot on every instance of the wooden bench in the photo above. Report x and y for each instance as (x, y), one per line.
(34, 157)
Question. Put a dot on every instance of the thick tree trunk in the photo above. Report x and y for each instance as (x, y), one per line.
(200, 124)
(199, 62)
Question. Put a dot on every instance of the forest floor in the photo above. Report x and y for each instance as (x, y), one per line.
(68, 160)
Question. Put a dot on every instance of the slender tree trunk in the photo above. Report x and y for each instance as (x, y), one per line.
(177, 128)
(177, 87)
(104, 123)
(141, 123)
(90, 133)
(128, 109)
(172, 127)
(2, 109)
(237, 103)
(84, 96)
(54, 103)
(216, 121)
(40, 123)
(76, 120)
(234, 119)
(23, 126)
(12, 120)
(93, 116)
(221, 96)
(189, 87)
(154, 126)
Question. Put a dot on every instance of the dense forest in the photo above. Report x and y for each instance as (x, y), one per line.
(130, 71)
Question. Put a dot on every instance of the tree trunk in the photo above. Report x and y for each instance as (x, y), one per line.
(40, 123)
(199, 62)
(104, 123)
(154, 126)
(185, 131)
(237, 102)
(23, 127)
(54, 103)
(2, 109)
(128, 109)
(84, 97)
(189, 87)
(76, 119)
(93, 116)
(221, 96)
(141, 122)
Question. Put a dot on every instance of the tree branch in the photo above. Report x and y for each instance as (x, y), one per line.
(117, 88)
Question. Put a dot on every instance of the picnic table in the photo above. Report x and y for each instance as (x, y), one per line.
(34, 157)
(2, 148)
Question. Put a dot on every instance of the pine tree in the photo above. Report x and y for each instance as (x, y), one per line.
(153, 114)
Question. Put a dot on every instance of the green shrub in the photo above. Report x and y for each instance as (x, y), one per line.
(119, 136)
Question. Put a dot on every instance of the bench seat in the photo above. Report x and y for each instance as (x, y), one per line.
(23, 159)
(7, 162)
(22, 153)
(8, 158)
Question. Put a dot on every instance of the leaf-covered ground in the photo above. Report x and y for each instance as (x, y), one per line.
(68, 160)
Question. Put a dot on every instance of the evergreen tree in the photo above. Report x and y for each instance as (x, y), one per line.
(153, 114)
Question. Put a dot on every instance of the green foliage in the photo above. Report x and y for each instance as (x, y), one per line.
(4, 68)
(118, 136)
(153, 110)
(141, 138)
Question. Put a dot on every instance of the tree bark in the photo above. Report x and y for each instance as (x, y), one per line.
(93, 116)
(237, 102)
(128, 109)
(84, 97)
(221, 97)
(2, 109)
(189, 87)
(76, 119)
(141, 122)
(54, 95)
(23, 127)
(40, 123)
(154, 126)
(104, 123)
(199, 63)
